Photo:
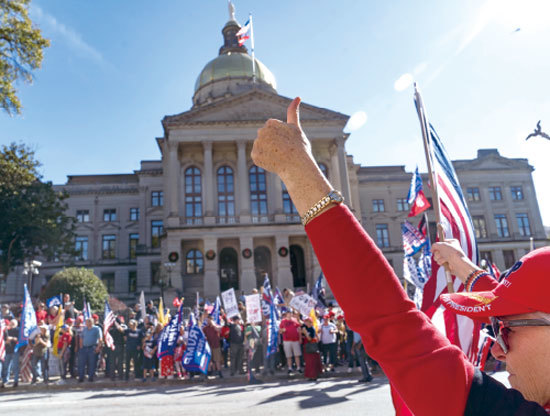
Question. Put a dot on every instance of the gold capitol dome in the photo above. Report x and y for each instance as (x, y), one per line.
(232, 72)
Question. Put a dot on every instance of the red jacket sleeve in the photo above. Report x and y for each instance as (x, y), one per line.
(432, 376)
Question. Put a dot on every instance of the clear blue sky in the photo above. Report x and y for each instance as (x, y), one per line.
(115, 69)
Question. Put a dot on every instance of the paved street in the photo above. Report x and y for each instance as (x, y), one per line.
(334, 396)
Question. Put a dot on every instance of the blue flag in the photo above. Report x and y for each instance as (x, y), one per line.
(86, 310)
(318, 292)
(28, 321)
(54, 301)
(169, 336)
(216, 311)
(267, 297)
(272, 331)
(197, 354)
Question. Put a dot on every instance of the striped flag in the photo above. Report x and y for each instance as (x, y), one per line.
(25, 367)
(457, 223)
(242, 34)
(2, 343)
(86, 310)
(484, 344)
(108, 321)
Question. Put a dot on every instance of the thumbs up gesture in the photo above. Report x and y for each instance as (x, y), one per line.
(283, 148)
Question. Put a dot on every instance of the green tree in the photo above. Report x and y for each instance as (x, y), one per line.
(21, 51)
(32, 213)
(80, 283)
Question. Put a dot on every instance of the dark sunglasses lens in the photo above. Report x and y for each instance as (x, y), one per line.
(501, 334)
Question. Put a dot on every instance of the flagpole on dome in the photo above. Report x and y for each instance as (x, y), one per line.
(252, 49)
(421, 110)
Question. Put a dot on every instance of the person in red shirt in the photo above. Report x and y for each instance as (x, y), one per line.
(64, 349)
(290, 328)
(212, 334)
(41, 313)
(431, 375)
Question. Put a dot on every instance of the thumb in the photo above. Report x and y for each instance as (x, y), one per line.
(293, 112)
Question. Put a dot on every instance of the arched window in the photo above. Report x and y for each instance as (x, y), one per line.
(262, 264)
(288, 206)
(229, 269)
(193, 194)
(297, 266)
(226, 195)
(324, 169)
(258, 193)
(194, 262)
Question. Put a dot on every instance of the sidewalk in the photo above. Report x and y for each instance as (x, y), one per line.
(102, 382)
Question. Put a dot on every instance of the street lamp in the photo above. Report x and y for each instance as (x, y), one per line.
(30, 268)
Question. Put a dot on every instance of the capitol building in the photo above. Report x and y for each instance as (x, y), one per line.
(203, 218)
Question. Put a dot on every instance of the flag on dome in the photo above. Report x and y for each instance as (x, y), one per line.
(242, 34)
(416, 198)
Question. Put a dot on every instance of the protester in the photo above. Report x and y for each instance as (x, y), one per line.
(236, 348)
(312, 358)
(90, 347)
(41, 313)
(11, 360)
(115, 357)
(149, 347)
(68, 305)
(133, 338)
(212, 333)
(41, 342)
(252, 333)
(179, 351)
(64, 349)
(359, 352)
(6, 313)
(290, 330)
(430, 374)
(328, 343)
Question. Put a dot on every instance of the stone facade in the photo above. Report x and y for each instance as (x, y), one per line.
(203, 218)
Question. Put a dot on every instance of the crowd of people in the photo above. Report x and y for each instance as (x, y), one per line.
(79, 349)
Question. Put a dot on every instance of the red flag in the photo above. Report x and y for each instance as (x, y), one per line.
(420, 204)
(176, 302)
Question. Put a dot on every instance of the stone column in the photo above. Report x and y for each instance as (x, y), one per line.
(344, 176)
(209, 190)
(248, 276)
(171, 190)
(211, 276)
(277, 187)
(244, 191)
(334, 170)
(284, 275)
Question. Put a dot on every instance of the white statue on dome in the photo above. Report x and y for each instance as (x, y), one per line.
(231, 10)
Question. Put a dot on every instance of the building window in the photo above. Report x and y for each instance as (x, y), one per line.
(157, 199)
(502, 225)
(229, 269)
(134, 214)
(109, 215)
(402, 204)
(108, 280)
(157, 229)
(517, 193)
(495, 194)
(486, 255)
(155, 273)
(480, 227)
(288, 205)
(193, 193)
(226, 192)
(194, 263)
(523, 225)
(297, 266)
(258, 192)
(81, 248)
(133, 242)
(132, 281)
(378, 205)
(324, 169)
(382, 235)
(509, 258)
(473, 194)
(108, 247)
(83, 215)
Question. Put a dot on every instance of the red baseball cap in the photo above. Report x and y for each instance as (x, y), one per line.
(524, 288)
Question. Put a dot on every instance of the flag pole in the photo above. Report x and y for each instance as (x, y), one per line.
(421, 110)
(252, 49)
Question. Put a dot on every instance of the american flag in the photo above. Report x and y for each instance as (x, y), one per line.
(26, 367)
(413, 239)
(108, 321)
(2, 343)
(456, 221)
(484, 346)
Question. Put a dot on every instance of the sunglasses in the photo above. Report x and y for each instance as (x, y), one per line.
(501, 329)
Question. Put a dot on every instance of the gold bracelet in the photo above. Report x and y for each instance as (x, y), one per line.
(332, 196)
